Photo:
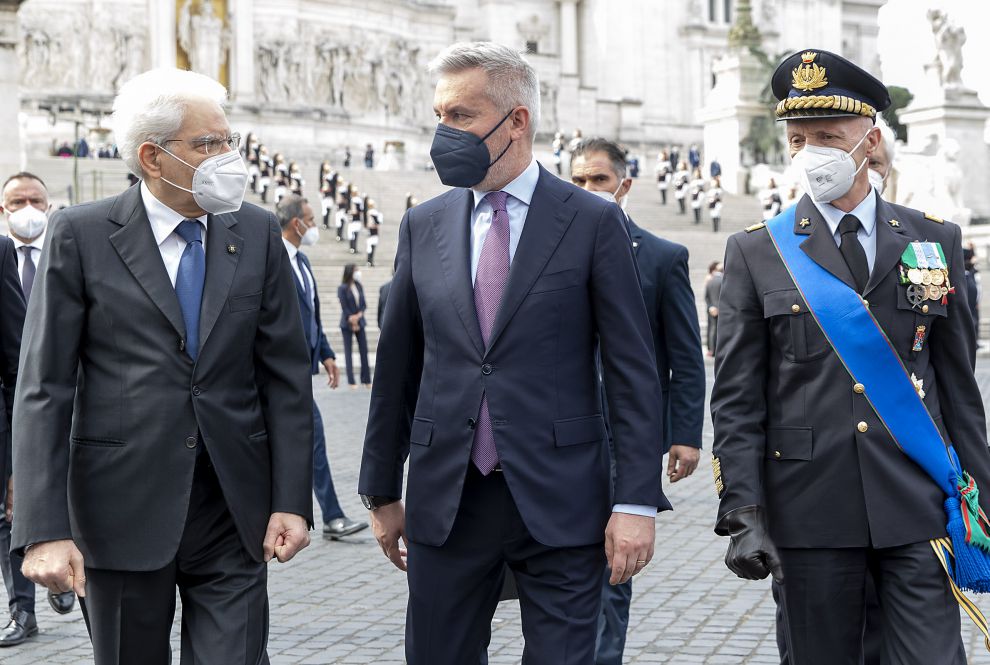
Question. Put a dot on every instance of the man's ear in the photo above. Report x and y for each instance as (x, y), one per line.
(625, 188)
(520, 119)
(873, 140)
(149, 157)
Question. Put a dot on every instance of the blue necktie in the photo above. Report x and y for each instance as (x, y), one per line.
(189, 281)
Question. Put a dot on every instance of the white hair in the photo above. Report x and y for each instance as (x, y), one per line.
(151, 108)
(512, 81)
(888, 137)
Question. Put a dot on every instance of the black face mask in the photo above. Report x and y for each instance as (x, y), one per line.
(460, 157)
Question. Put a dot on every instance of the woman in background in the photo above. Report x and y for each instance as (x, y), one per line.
(352, 305)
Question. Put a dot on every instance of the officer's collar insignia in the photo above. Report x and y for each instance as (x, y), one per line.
(810, 76)
(231, 249)
(894, 223)
(805, 223)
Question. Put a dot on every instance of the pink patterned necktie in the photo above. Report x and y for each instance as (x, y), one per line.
(489, 283)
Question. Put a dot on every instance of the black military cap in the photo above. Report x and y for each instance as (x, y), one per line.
(814, 83)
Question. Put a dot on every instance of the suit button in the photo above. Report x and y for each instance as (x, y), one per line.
(182, 345)
(191, 442)
(472, 423)
(487, 369)
(795, 308)
(196, 391)
(924, 309)
(866, 303)
(776, 454)
(862, 426)
(859, 389)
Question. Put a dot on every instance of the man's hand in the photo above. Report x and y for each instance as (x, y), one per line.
(389, 525)
(56, 565)
(751, 554)
(333, 374)
(682, 461)
(9, 501)
(287, 534)
(628, 545)
(713, 311)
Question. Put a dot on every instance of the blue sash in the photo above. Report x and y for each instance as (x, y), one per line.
(867, 354)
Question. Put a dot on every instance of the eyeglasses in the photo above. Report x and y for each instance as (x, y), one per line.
(210, 146)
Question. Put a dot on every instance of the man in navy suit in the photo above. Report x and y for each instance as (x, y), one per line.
(599, 167)
(298, 223)
(486, 379)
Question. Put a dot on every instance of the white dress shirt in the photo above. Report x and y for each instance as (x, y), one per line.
(866, 213)
(520, 193)
(305, 279)
(36, 245)
(164, 221)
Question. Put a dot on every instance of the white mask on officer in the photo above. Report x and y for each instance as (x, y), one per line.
(28, 222)
(827, 174)
(878, 181)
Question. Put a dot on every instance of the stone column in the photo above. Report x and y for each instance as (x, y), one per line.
(241, 56)
(11, 158)
(161, 27)
(568, 37)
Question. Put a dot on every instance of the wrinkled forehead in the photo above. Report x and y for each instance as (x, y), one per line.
(844, 126)
(204, 118)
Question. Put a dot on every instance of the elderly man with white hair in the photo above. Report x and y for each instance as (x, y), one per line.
(162, 431)
(505, 289)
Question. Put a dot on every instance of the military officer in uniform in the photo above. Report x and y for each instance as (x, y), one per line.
(814, 490)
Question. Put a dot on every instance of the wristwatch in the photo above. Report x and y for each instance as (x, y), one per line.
(371, 502)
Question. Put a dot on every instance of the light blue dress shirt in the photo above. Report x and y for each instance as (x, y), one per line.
(866, 213)
(520, 193)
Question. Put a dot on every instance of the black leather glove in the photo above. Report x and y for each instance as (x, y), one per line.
(751, 555)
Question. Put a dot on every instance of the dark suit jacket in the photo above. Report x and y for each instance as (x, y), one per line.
(663, 270)
(109, 405)
(319, 348)
(11, 325)
(382, 299)
(573, 279)
(786, 415)
(349, 306)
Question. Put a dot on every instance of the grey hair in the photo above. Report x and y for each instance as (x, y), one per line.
(512, 81)
(616, 155)
(289, 208)
(151, 108)
(889, 138)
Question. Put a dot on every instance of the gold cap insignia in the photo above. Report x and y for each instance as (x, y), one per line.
(809, 76)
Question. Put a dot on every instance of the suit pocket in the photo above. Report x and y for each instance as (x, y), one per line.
(575, 431)
(556, 281)
(258, 436)
(789, 443)
(792, 327)
(422, 432)
(97, 442)
(245, 303)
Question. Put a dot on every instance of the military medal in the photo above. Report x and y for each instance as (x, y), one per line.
(914, 276)
(938, 277)
(934, 293)
(916, 294)
(926, 277)
(919, 339)
(927, 273)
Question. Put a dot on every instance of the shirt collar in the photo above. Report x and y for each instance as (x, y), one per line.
(37, 243)
(291, 249)
(163, 219)
(865, 212)
(521, 188)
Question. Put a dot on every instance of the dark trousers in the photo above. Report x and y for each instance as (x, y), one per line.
(224, 595)
(712, 332)
(326, 495)
(613, 621)
(715, 223)
(823, 599)
(20, 590)
(680, 202)
(454, 588)
(362, 340)
(663, 196)
(697, 215)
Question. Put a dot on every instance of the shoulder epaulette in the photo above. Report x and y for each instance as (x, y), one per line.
(756, 227)
(933, 218)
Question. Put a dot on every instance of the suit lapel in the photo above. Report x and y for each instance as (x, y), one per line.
(300, 289)
(820, 244)
(891, 242)
(135, 243)
(452, 231)
(546, 222)
(635, 235)
(220, 266)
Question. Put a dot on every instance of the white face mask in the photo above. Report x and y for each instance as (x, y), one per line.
(827, 173)
(609, 196)
(28, 222)
(311, 236)
(357, 275)
(218, 183)
(877, 180)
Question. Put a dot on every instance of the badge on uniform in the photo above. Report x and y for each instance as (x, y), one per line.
(925, 273)
(919, 339)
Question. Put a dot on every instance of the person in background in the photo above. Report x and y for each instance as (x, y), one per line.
(715, 202)
(973, 286)
(694, 157)
(697, 189)
(771, 200)
(558, 148)
(883, 177)
(663, 173)
(369, 157)
(298, 224)
(347, 157)
(713, 287)
(383, 291)
(350, 293)
(715, 169)
(356, 223)
(681, 179)
(375, 219)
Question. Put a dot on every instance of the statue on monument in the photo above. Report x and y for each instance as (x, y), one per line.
(204, 38)
(949, 41)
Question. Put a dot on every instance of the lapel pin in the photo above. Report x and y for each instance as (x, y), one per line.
(894, 223)
(231, 249)
(635, 244)
(805, 222)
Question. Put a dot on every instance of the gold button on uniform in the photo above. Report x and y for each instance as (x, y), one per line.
(776, 454)
(866, 303)
(862, 426)
(859, 389)
(795, 308)
(924, 309)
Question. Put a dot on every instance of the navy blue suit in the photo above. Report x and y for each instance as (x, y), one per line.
(572, 282)
(670, 305)
(349, 305)
(319, 351)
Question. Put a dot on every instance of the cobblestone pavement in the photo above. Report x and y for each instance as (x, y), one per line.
(342, 603)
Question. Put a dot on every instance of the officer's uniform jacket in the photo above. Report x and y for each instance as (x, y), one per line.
(795, 435)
